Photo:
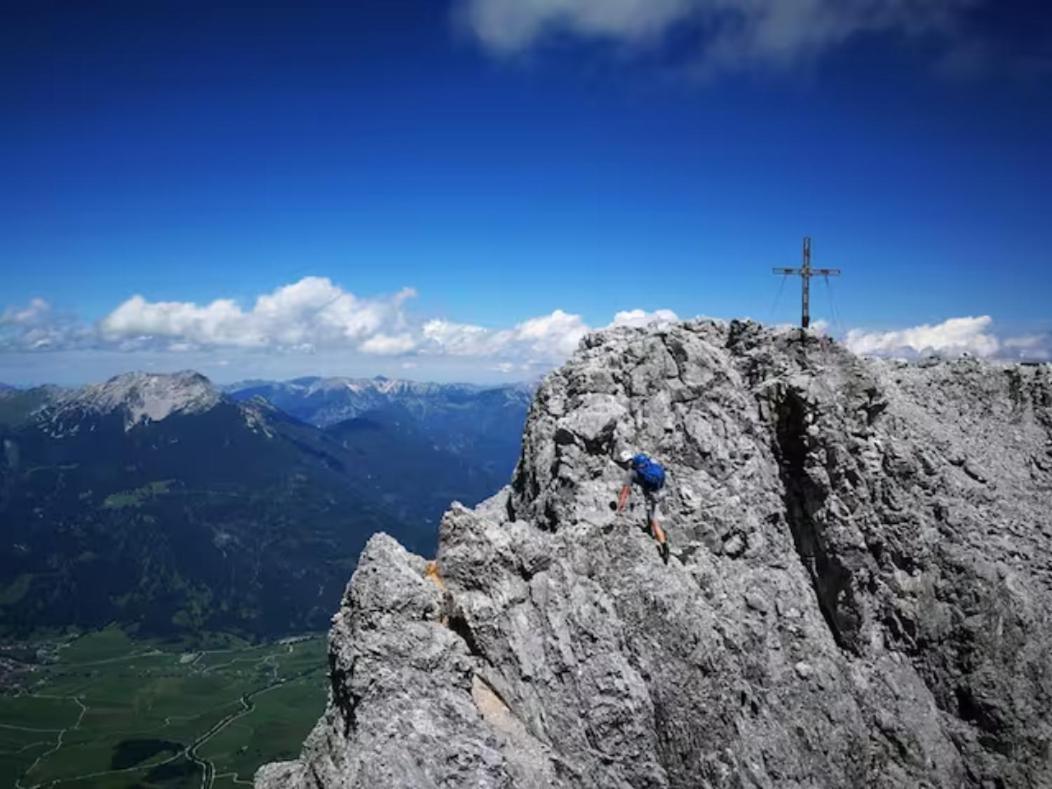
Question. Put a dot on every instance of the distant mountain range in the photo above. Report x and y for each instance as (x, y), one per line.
(419, 445)
(164, 502)
(326, 401)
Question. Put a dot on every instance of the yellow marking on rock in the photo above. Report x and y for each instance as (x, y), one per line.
(431, 573)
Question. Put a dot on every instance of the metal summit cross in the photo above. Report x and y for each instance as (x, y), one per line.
(806, 272)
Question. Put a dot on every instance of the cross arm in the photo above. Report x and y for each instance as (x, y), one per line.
(786, 270)
(826, 272)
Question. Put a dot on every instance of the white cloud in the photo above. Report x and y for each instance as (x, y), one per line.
(388, 344)
(1029, 346)
(220, 323)
(641, 318)
(37, 327)
(309, 317)
(556, 334)
(510, 25)
(33, 313)
(544, 339)
(952, 337)
(459, 339)
(732, 34)
(314, 323)
(312, 313)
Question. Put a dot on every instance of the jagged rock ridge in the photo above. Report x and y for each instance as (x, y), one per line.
(858, 595)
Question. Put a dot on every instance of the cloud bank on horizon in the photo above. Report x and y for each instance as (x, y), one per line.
(317, 315)
(952, 337)
(311, 315)
(730, 34)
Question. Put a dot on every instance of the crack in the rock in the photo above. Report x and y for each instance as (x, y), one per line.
(829, 578)
(459, 625)
(343, 697)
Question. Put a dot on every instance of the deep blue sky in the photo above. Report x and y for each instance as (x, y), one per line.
(188, 153)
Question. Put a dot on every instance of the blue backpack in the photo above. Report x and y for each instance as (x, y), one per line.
(651, 473)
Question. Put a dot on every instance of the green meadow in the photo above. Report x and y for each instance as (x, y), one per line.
(115, 712)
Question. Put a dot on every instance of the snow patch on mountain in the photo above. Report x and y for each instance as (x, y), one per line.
(257, 413)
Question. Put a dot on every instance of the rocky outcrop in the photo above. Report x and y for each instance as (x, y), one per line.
(858, 593)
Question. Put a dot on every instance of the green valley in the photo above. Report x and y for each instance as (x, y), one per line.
(108, 710)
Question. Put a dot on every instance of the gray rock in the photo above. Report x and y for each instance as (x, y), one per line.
(734, 546)
(756, 602)
(858, 594)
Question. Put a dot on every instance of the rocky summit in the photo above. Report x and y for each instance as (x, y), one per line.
(858, 594)
(141, 398)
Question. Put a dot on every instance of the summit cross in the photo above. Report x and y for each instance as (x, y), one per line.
(806, 272)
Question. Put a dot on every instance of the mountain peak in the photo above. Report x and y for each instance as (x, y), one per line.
(857, 593)
(145, 397)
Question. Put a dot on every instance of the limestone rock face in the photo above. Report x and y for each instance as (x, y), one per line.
(858, 594)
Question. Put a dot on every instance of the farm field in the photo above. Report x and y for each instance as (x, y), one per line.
(112, 712)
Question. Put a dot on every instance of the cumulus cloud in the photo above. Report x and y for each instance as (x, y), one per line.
(1029, 346)
(732, 34)
(312, 313)
(460, 339)
(953, 337)
(34, 312)
(37, 327)
(558, 332)
(319, 317)
(544, 339)
(641, 318)
(388, 344)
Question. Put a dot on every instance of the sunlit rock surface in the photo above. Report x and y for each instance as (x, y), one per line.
(858, 593)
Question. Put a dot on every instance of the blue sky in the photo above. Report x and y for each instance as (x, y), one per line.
(529, 169)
